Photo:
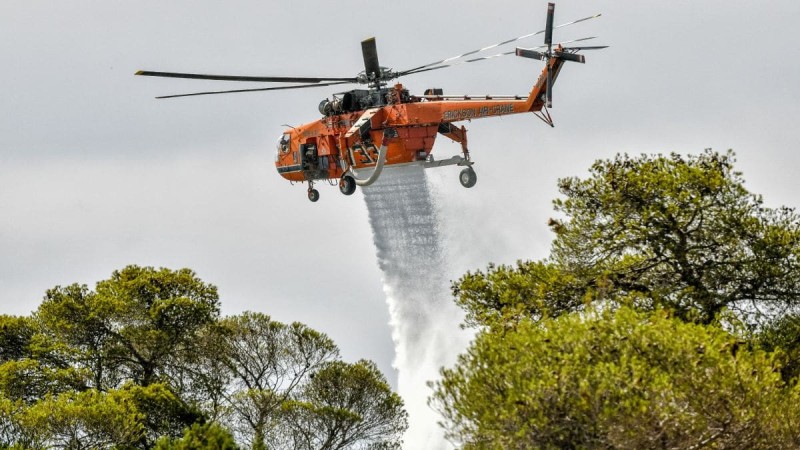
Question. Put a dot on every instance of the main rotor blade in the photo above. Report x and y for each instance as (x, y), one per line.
(370, 53)
(489, 57)
(519, 38)
(197, 76)
(276, 88)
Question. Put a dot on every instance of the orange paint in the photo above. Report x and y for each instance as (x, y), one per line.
(329, 147)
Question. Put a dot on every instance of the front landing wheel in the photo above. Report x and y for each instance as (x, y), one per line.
(313, 195)
(468, 177)
(347, 185)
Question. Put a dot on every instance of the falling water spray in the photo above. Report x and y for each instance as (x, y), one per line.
(424, 321)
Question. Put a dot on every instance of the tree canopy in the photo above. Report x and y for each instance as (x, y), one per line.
(146, 359)
(617, 379)
(665, 316)
(679, 232)
(345, 404)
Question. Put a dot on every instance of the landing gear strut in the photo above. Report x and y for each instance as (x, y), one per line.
(467, 177)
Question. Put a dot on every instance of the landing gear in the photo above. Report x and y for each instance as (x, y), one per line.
(347, 185)
(313, 194)
(468, 177)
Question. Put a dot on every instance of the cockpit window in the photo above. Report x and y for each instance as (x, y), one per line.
(283, 143)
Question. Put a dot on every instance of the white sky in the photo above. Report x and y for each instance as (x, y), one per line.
(95, 174)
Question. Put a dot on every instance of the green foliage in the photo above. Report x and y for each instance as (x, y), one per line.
(163, 412)
(507, 294)
(202, 378)
(677, 232)
(617, 379)
(89, 419)
(131, 416)
(208, 436)
(12, 433)
(30, 365)
(782, 336)
(144, 358)
(344, 405)
(133, 326)
(16, 334)
(266, 361)
(563, 360)
(30, 380)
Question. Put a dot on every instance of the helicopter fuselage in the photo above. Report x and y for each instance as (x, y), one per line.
(407, 126)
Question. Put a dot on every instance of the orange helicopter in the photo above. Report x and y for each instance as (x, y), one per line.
(363, 131)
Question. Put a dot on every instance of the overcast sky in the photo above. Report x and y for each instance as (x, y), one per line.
(96, 174)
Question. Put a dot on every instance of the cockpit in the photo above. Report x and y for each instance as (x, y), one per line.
(282, 146)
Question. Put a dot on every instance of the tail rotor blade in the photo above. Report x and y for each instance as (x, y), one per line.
(593, 47)
(548, 93)
(567, 42)
(533, 54)
(548, 30)
(570, 57)
(370, 53)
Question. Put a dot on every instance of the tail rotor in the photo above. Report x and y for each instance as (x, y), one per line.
(563, 53)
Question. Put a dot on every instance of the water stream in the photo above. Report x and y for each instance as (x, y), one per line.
(424, 319)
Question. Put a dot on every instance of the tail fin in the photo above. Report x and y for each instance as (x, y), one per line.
(542, 93)
(538, 95)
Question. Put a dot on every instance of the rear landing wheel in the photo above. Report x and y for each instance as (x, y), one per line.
(468, 177)
(313, 195)
(347, 185)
